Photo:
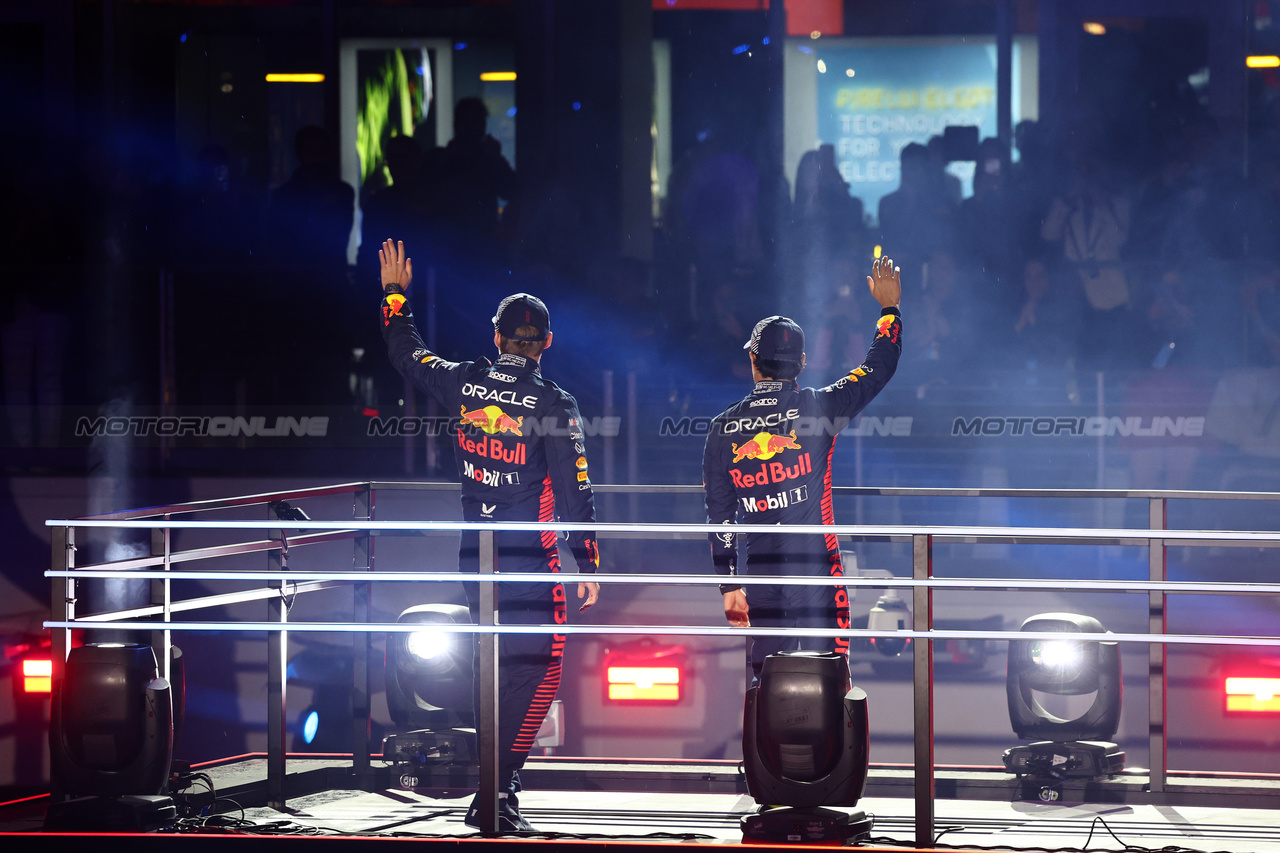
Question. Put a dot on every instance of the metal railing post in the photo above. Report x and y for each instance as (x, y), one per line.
(361, 645)
(277, 660)
(63, 607)
(487, 713)
(1157, 653)
(63, 598)
(922, 670)
(161, 546)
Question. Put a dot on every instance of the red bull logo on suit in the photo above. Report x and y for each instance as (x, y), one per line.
(764, 446)
(493, 448)
(887, 327)
(394, 303)
(771, 472)
(492, 420)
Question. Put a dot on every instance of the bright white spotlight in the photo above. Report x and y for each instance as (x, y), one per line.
(428, 644)
(1057, 654)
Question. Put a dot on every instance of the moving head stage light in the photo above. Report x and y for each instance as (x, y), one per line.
(804, 746)
(1078, 748)
(111, 741)
(429, 679)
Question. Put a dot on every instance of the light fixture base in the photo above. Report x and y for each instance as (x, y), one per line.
(1077, 759)
(431, 761)
(786, 825)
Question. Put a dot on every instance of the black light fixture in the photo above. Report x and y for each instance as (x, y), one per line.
(1075, 748)
(429, 680)
(804, 747)
(111, 741)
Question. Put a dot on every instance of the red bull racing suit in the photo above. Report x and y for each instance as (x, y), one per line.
(768, 461)
(518, 442)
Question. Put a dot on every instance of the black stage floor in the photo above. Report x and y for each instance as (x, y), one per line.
(663, 803)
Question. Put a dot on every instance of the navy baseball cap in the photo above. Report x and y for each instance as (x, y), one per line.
(777, 338)
(521, 309)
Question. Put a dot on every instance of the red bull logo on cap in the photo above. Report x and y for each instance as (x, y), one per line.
(764, 446)
(492, 420)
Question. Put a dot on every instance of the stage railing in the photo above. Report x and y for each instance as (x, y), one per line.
(282, 585)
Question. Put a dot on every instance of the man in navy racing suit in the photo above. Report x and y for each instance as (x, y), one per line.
(519, 448)
(768, 461)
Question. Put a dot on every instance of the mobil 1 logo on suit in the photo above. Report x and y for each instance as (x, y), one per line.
(779, 500)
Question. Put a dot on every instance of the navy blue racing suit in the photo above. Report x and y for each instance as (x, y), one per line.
(768, 461)
(518, 442)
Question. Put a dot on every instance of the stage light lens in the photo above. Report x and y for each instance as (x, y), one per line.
(428, 644)
(1056, 654)
(310, 726)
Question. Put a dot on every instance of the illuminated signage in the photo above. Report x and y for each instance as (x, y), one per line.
(875, 99)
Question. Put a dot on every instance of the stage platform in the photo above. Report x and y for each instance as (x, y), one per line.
(650, 804)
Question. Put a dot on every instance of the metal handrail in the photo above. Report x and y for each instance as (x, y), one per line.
(679, 631)
(939, 532)
(663, 489)
(284, 583)
(1097, 586)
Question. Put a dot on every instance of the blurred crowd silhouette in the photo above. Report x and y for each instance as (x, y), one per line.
(1065, 255)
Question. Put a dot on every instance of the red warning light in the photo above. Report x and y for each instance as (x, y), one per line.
(37, 675)
(644, 683)
(1253, 695)
(644, 672)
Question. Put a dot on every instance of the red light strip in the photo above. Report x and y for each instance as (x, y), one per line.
(23, 800)
(1253, 695)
